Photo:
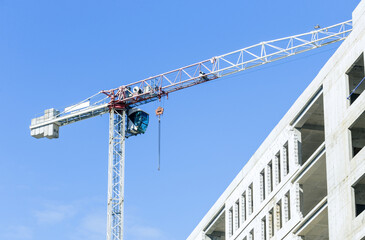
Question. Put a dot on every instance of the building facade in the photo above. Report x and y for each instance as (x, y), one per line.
(307, 179)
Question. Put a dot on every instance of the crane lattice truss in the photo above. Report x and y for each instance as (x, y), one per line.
(117, 101)
(153, 88)
(117, 122)
(157, 86)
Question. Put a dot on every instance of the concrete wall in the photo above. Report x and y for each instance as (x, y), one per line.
(337, 210)
(342, 170)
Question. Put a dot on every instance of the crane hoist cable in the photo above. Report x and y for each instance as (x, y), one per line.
(159, 112)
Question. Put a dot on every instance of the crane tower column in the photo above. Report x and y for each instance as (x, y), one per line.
(117, 123)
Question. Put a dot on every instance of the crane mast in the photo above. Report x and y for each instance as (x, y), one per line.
(125, 120)
(115, 208)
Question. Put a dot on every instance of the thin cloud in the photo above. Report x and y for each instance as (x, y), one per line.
(146, 232)
(91, 227)
(18, 233)
(54, 213)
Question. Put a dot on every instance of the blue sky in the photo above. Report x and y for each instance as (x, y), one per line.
(56, 53)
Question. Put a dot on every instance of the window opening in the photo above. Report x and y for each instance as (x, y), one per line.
(278, 167)
(278, 215)
(244, 207)
(358, 134)
(237, 214)
(263, 228)
(252, 236)
(230, 221)
(262, 184)
(250, 199)
(359, 189)
(356, 79)
(287, 206)
(286, 159)
(271, 223)
(269, 177)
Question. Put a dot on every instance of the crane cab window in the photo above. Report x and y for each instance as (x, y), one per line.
(139, 122)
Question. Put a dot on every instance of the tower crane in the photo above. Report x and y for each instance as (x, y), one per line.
(126, 120)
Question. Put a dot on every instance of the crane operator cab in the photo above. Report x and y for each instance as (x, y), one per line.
(137, 121)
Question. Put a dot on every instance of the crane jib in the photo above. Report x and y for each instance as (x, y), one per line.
(159, 86)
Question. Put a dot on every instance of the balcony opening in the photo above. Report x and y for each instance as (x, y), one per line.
(359, 190)
(313, 185)
(355, 77)
(358, 134)
(216, 229)
(310, 124)
(316, 228)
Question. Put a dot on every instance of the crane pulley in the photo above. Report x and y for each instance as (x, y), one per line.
(125, 120)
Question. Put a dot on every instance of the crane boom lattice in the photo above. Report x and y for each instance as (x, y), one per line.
(155, 87)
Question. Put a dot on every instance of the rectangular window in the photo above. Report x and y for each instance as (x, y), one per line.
(237, 214)
(286, 159)
(287, 207)
(262, 185)
(269, 177)
(243, 199)
(356, 79)
(278, 216)
(263, 229)
(358, 134)
(271, 223)
(359, 190)
(230, 221)
(301, 199)
(250, 199)
(277, 168)
(251, 235)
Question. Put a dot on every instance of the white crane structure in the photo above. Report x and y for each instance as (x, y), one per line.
(125, 120)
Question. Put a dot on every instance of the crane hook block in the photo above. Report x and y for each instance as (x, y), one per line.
(137, 121)
(159, 111)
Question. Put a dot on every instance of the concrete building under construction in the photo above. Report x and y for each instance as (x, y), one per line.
(307, 179)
